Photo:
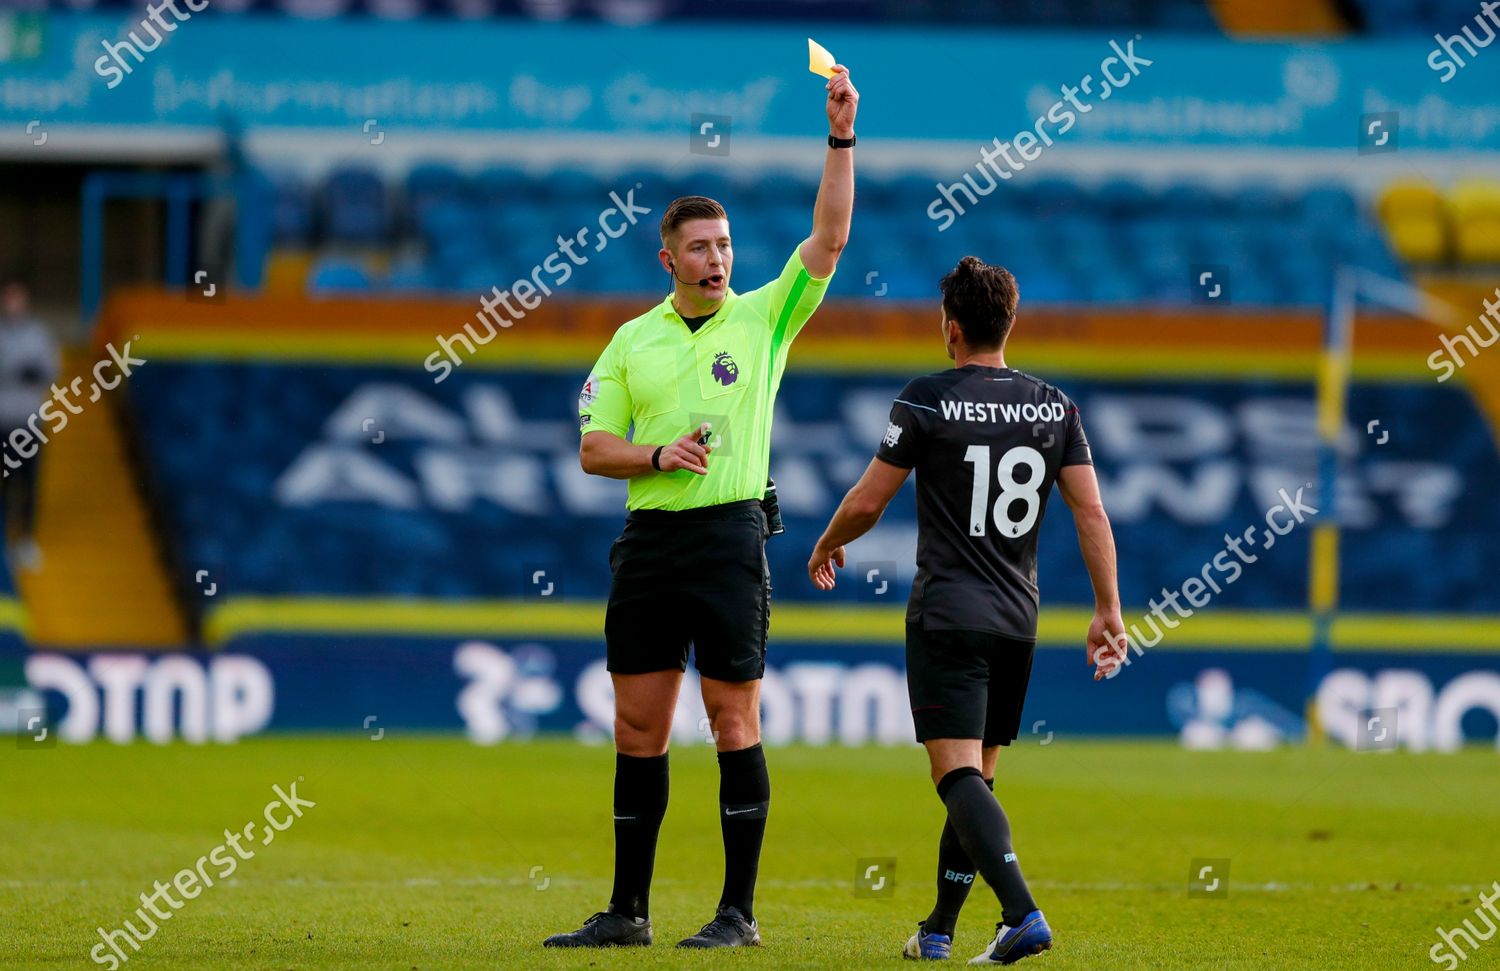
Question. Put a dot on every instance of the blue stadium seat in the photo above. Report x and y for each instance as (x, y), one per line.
(355, 207)
(433, 183)
(410, 276)
(1259, 201)
(916, 190)
(504, 185)
(1328, 206)
(1048, 194)
(293, 219)
(569, 186)
(1123, 199)
(1191, 198)
(879, 191)
(756, 188)
(448, 219)
(332, 275)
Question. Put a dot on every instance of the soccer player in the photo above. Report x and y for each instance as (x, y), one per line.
(698, 373)
(988, 442)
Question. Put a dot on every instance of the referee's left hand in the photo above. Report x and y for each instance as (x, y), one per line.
(843, 102)
(820, 567)
(687, 452)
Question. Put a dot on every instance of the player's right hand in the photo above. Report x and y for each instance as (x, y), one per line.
(1107, 645)
(820, 567)
(686, 453)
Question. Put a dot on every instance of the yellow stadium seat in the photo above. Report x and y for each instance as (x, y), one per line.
(1476, 239)
(1416, 220)
(1409, 198)
(1419, 239)
(1475, 198)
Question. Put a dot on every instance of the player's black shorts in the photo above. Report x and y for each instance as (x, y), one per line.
(694, 575)
(967, 683)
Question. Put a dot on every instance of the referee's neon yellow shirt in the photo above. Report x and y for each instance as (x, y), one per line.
(665, 380)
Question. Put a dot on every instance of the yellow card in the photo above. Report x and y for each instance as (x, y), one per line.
(819, 61)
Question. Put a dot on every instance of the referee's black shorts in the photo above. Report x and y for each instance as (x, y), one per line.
(967, 683)
(694, 576)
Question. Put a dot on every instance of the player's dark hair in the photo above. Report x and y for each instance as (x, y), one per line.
(982, 299)
(685, 209)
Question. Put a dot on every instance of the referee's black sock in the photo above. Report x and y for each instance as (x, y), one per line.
(744, 799)
(641, 786)
(955, 876)
(985, 834)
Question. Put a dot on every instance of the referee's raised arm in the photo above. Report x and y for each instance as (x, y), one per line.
(835, 203)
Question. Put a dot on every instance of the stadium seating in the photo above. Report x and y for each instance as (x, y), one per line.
(1115, 242)
(334, 275)
(1413, 214)
(1474, 206)
(355, 208)
(1429, 226)
(1417, 16)
(305, 498)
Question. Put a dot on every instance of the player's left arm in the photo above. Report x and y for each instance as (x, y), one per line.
(856, 516)
(835, 204)
(1105, 643)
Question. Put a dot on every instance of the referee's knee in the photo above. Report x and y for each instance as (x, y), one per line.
(734, 729)
(642, 738)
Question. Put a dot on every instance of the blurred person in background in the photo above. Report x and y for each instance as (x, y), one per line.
(28, 366)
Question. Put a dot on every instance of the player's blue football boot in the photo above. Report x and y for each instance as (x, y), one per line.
(1011, 944)
(928, 947)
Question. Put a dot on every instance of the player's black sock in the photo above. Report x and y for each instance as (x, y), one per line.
(744, 799)
(641, 786)
(985, 834)
(955, 875)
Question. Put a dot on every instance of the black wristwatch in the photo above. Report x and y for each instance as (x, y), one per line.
(834, 142)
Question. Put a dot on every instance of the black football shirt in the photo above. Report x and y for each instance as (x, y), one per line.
(987, 444)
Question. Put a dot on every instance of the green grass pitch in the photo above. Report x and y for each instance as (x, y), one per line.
(421, 853)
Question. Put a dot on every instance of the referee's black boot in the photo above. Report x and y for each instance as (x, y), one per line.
(605, 929)
(729, 928)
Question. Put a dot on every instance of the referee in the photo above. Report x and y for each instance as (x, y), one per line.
(698, 373)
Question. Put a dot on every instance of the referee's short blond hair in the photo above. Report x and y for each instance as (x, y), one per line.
(685, 209)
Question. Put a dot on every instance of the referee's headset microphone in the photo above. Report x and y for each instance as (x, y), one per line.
(702, 283)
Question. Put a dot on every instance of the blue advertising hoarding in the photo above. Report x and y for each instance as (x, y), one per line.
(831, 693)
(520, 77)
